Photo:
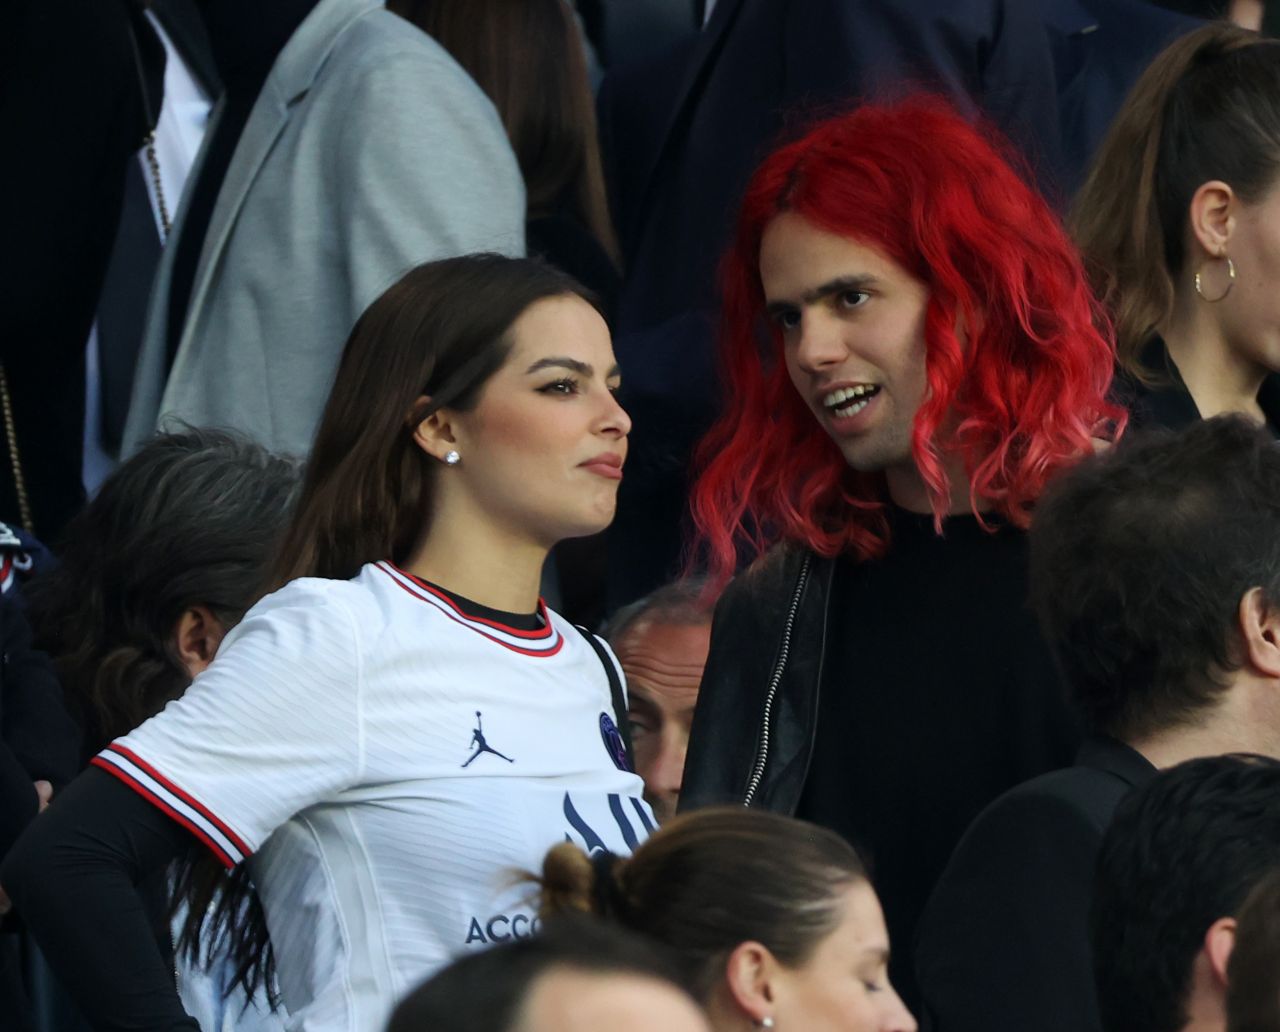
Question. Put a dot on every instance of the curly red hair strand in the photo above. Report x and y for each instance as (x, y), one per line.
(1022, 395)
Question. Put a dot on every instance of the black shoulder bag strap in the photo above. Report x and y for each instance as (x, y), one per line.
(615, 690)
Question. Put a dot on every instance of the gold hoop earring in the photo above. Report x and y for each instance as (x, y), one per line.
(1231, 282)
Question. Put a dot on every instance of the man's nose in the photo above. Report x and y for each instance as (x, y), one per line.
(821, 342)
(668, 768)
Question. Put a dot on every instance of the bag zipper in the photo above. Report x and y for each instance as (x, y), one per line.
(762, 750)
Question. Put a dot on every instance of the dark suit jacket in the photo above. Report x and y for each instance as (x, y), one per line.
(72, 116)
(1004, 943)
(753, 67)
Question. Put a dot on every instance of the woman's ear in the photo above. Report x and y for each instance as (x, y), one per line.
(196, 637)
(1213, 217)
(750, 976)
(434, 433)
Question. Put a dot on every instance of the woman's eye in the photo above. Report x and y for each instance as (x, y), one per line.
(853, 298)
(565, 386)
(874, 983)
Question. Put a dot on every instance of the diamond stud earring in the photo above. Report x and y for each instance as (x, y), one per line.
(452, 458)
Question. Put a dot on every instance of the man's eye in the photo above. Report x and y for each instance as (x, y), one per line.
(785, 319)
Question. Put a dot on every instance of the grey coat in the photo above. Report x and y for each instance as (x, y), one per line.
(368, 151)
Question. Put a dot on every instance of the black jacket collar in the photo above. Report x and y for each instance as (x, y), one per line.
(735, 718)
(1114, 757)
(1166, 402)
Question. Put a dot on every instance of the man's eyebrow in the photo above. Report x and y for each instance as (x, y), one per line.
(638, 698)
(581, 368)
(835, 286)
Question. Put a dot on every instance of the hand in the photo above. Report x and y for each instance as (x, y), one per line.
(44, 793)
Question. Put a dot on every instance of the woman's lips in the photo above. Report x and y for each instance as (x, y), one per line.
(608, 466)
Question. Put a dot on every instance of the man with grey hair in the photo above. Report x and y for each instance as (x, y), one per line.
(662, 642)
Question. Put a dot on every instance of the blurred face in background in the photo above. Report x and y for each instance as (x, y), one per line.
(583, 1001)
(844, 986)
(663, 662)
(1249, 310)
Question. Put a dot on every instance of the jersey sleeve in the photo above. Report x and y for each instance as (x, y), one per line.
(270, 728)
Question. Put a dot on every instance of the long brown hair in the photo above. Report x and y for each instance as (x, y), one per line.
(1207, 108)
(708, 881)
(528, 57)
(441, 331)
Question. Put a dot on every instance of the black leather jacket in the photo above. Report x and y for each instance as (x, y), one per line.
(753, 730)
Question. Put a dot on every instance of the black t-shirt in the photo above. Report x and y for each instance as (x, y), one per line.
(938, 694)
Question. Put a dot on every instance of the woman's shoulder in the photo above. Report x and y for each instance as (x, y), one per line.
(323, 598)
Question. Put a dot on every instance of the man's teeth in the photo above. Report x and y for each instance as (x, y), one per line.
(849, 401)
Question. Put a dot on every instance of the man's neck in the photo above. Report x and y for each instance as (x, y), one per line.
(1205, 1005)
(908, 491)
(1223, 732)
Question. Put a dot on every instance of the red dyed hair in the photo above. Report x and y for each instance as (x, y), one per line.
(1026, 393)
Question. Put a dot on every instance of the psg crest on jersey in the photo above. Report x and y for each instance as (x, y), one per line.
(617, 749)
(14, 558)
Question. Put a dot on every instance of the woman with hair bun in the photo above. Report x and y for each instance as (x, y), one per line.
(772, 920)
(1178, 222)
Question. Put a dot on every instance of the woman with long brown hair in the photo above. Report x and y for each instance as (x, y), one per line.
(402, 722)
(1177, 222)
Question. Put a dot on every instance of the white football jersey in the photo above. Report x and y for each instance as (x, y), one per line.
(389, 763)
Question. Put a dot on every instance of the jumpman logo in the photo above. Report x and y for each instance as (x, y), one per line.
(477, 739)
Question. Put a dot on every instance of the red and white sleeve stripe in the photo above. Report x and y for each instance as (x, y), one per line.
(153, 786)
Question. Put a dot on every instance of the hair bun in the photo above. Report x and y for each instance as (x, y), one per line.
(567, 882)
(606, 896)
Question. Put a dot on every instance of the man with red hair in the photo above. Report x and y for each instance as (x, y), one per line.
(911, 352)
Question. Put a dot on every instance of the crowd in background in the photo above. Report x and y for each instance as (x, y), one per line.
(686, 514)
